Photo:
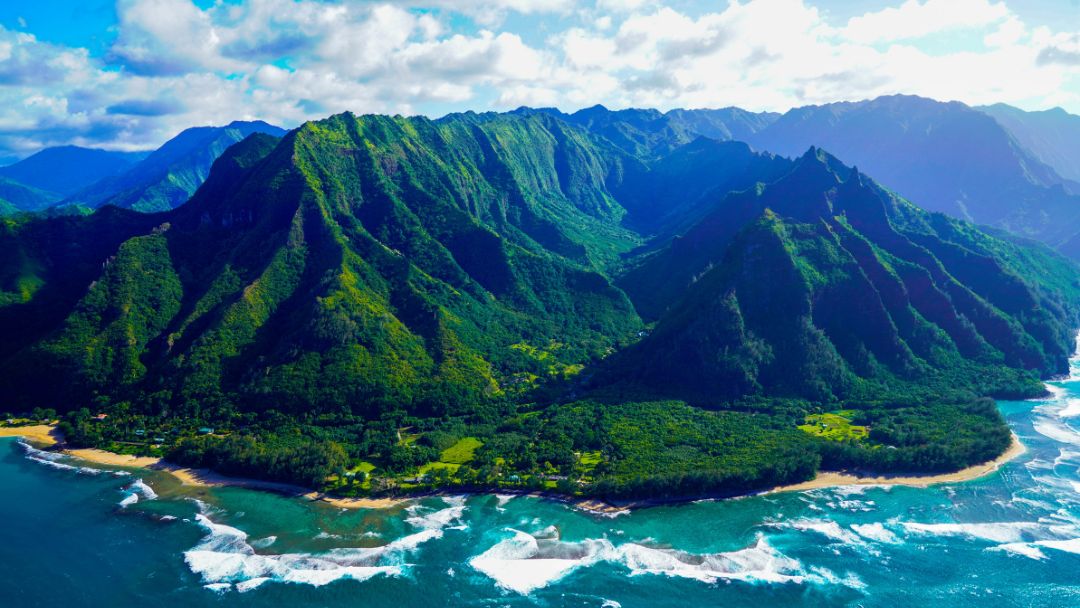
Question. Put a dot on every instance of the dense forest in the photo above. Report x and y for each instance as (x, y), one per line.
(609, 307)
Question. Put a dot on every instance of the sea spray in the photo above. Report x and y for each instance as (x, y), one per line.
(56, 460)
(524, 563)
(225, 556)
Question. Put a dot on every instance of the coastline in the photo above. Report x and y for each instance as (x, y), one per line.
(41, 434)
(47, 435)
(205, 478)
(831, 479)
(824, 479)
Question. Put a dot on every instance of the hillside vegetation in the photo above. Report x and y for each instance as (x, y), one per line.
(384, 304)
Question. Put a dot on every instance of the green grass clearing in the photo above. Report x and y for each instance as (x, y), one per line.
(461, 452)
(434, 466)
(589, 460)
(834, 426)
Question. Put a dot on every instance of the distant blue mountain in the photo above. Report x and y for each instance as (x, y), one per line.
(945, 157)
(651, 133)
(16, 197)
(1052, 136)
(170, 175)
(65, 170)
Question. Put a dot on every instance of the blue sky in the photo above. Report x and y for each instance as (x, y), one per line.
(128, 74)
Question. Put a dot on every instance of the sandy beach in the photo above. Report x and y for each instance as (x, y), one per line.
(112, 459)
(40, 434)
(831, 479)
(828, 479)
(207, 478)
(356, 503)
(48, 435)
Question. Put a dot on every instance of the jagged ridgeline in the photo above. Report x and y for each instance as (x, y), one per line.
(824, 286)
(545, 289)
(358, 264)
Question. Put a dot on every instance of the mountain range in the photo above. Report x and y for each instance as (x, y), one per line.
(1015, 171)
(542, 284)
(74, 177)
(1049, 135)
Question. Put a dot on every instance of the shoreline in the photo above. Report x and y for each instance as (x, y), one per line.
(48, 435)
(831, 479)
(824, 479)
(206, 478)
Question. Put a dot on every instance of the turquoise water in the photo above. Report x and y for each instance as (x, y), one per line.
(82, 537)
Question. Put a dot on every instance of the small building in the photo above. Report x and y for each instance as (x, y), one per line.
(140, 432)
(206, 431)
(101, 417)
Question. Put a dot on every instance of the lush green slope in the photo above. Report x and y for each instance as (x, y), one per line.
(371, 291)
(15, 197)
(170, 175)
(824, 286)
(363, 264)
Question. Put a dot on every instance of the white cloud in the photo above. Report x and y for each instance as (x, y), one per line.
(622, 6)
(1009, 32)
(915, 19)
(174, 65)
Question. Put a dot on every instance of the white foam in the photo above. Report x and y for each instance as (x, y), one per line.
(1055, 430)
(1071, 409)
(1068, 546)
(759, 562)
(1056, 393)
(55, 460)
(142, 489)
(522, 563)
(1067, 456)
(999, 532)
(1024, 549)
(828, 529)
(439, 519)
(130, 499)
(263, 543)
(1033, 550)
(248, 585)
(876, 532)
(225, 558)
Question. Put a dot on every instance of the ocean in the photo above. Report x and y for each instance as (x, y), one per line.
(74, 535)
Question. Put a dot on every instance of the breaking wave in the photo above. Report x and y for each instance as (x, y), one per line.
(998, 532)
(225, 559)
(524, 563)
(55, 460)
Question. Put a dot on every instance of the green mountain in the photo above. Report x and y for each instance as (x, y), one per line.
(460, 302)
(826, 287)
(648, 133)
(16, 197)
(167, 177)
(361, 263)
(723, 124)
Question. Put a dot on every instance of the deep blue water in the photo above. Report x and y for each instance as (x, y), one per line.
(1009, 539)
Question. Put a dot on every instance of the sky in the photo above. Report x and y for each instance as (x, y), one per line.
(129, 74)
